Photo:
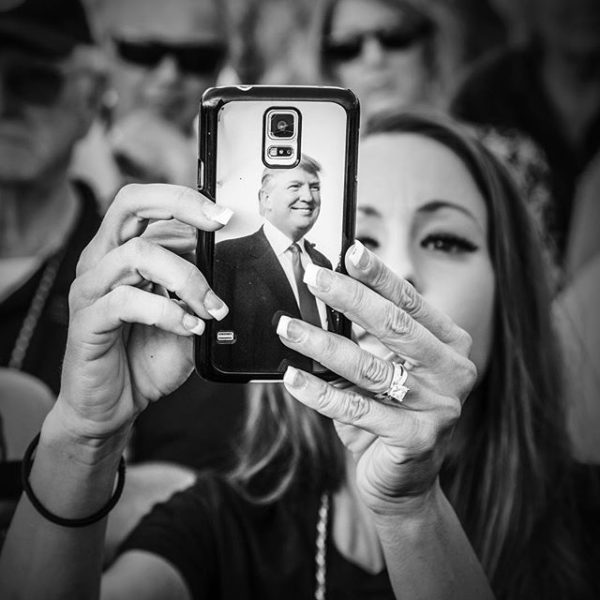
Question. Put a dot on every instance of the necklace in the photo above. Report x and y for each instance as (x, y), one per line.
(35, 311)
(321, 545)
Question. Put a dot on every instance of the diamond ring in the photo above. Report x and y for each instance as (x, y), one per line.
(397, 389)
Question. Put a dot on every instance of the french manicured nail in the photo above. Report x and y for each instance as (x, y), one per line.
(359, 256)
(288, 329)
(294, 378)
(318, 277)
(215, 307)
(220, 214)
(193, 324)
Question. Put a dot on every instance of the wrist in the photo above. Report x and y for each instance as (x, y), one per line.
(419, 507)
(78, 440)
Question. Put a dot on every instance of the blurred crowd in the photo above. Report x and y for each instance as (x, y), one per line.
(97, 95)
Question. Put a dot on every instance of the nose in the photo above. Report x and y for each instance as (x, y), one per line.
(304, 193)
(167, 71)
(372, 51)
(400, 260)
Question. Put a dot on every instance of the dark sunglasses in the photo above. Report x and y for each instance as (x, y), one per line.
(32, 83)
(399, 38)
(194, 59)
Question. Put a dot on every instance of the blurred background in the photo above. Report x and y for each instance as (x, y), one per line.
(90, 101)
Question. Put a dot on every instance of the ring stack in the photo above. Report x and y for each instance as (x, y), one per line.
(397, 389)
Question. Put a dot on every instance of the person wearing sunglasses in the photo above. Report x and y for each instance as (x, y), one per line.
(51, 81)
(164, 55)
(387, 51)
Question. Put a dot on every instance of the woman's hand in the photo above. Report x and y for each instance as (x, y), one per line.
(128, 342)
(398, 447)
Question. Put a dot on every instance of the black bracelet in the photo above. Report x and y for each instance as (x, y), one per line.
(26, 470)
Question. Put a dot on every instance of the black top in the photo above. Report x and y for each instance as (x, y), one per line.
(505, 90)
(227, 548)
(46, 349)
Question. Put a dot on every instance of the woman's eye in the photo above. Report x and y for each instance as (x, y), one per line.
(451, 244)
(368, 242)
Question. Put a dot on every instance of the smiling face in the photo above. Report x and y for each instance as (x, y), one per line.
(381, 75)
(291, 201)
(420, 210)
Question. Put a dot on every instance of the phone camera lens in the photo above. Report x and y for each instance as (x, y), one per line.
(282, 125)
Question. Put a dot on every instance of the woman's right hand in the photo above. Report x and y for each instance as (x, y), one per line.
(128, 342)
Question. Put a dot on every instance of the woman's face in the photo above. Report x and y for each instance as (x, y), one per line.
(420, 210)
(377, 50)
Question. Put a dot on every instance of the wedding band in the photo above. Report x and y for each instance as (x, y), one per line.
(397, 389)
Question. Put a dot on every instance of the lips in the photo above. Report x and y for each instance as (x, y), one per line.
(304, 209)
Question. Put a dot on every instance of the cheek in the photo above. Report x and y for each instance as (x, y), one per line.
(350, 75)
(467, 296)
(409, 72)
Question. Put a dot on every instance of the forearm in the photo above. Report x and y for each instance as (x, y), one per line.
(73, 478)
(428, 555)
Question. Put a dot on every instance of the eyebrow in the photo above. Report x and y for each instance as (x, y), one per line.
(369, 211)
(435, 205)
(429, 207)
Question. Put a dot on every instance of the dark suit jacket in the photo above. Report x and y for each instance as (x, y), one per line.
(250, 279)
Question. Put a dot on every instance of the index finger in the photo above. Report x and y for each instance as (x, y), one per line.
(136, 204)
(370, 270)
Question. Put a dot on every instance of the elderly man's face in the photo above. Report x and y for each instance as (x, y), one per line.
(45, 107)
(166, 55)
(292, 201)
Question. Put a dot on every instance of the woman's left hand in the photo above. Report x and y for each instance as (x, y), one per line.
(399, 447)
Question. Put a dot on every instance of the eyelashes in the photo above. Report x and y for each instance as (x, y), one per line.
(438, 242)
(368, 242)
(448, 243)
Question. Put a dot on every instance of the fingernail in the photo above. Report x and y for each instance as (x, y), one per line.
(215, 307)
(294, 378)
(220, 214)
(359, 256)
(318, 277)
(193, 324)
(288, 329)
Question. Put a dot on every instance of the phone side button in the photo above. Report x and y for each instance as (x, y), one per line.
(200, 179)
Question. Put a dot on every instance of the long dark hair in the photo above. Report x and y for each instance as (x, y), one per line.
(508, 475)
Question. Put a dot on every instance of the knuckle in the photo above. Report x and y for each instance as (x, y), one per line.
(126, 192)
(466, 372)
(117, 297)
(137, 248)
(372, 369)
(396, 321)
(190, 278)
(326, 397)
(464, 341)
(409, 299)
(381, 276)
(354, 407)
(82, 263)
(357, 296)
(75, 293)
(425, 434)
(329, 346)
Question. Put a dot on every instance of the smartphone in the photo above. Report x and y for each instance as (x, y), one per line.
(283, 159)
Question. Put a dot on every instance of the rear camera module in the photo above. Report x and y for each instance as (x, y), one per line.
(281, 125)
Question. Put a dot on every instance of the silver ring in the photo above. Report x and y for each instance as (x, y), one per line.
(397, 389)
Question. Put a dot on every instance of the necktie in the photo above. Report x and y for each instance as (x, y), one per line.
(308, 304)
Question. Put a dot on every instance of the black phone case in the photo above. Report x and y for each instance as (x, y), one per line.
(236, 261)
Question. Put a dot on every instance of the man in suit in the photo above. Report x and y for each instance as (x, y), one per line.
(260, 275)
